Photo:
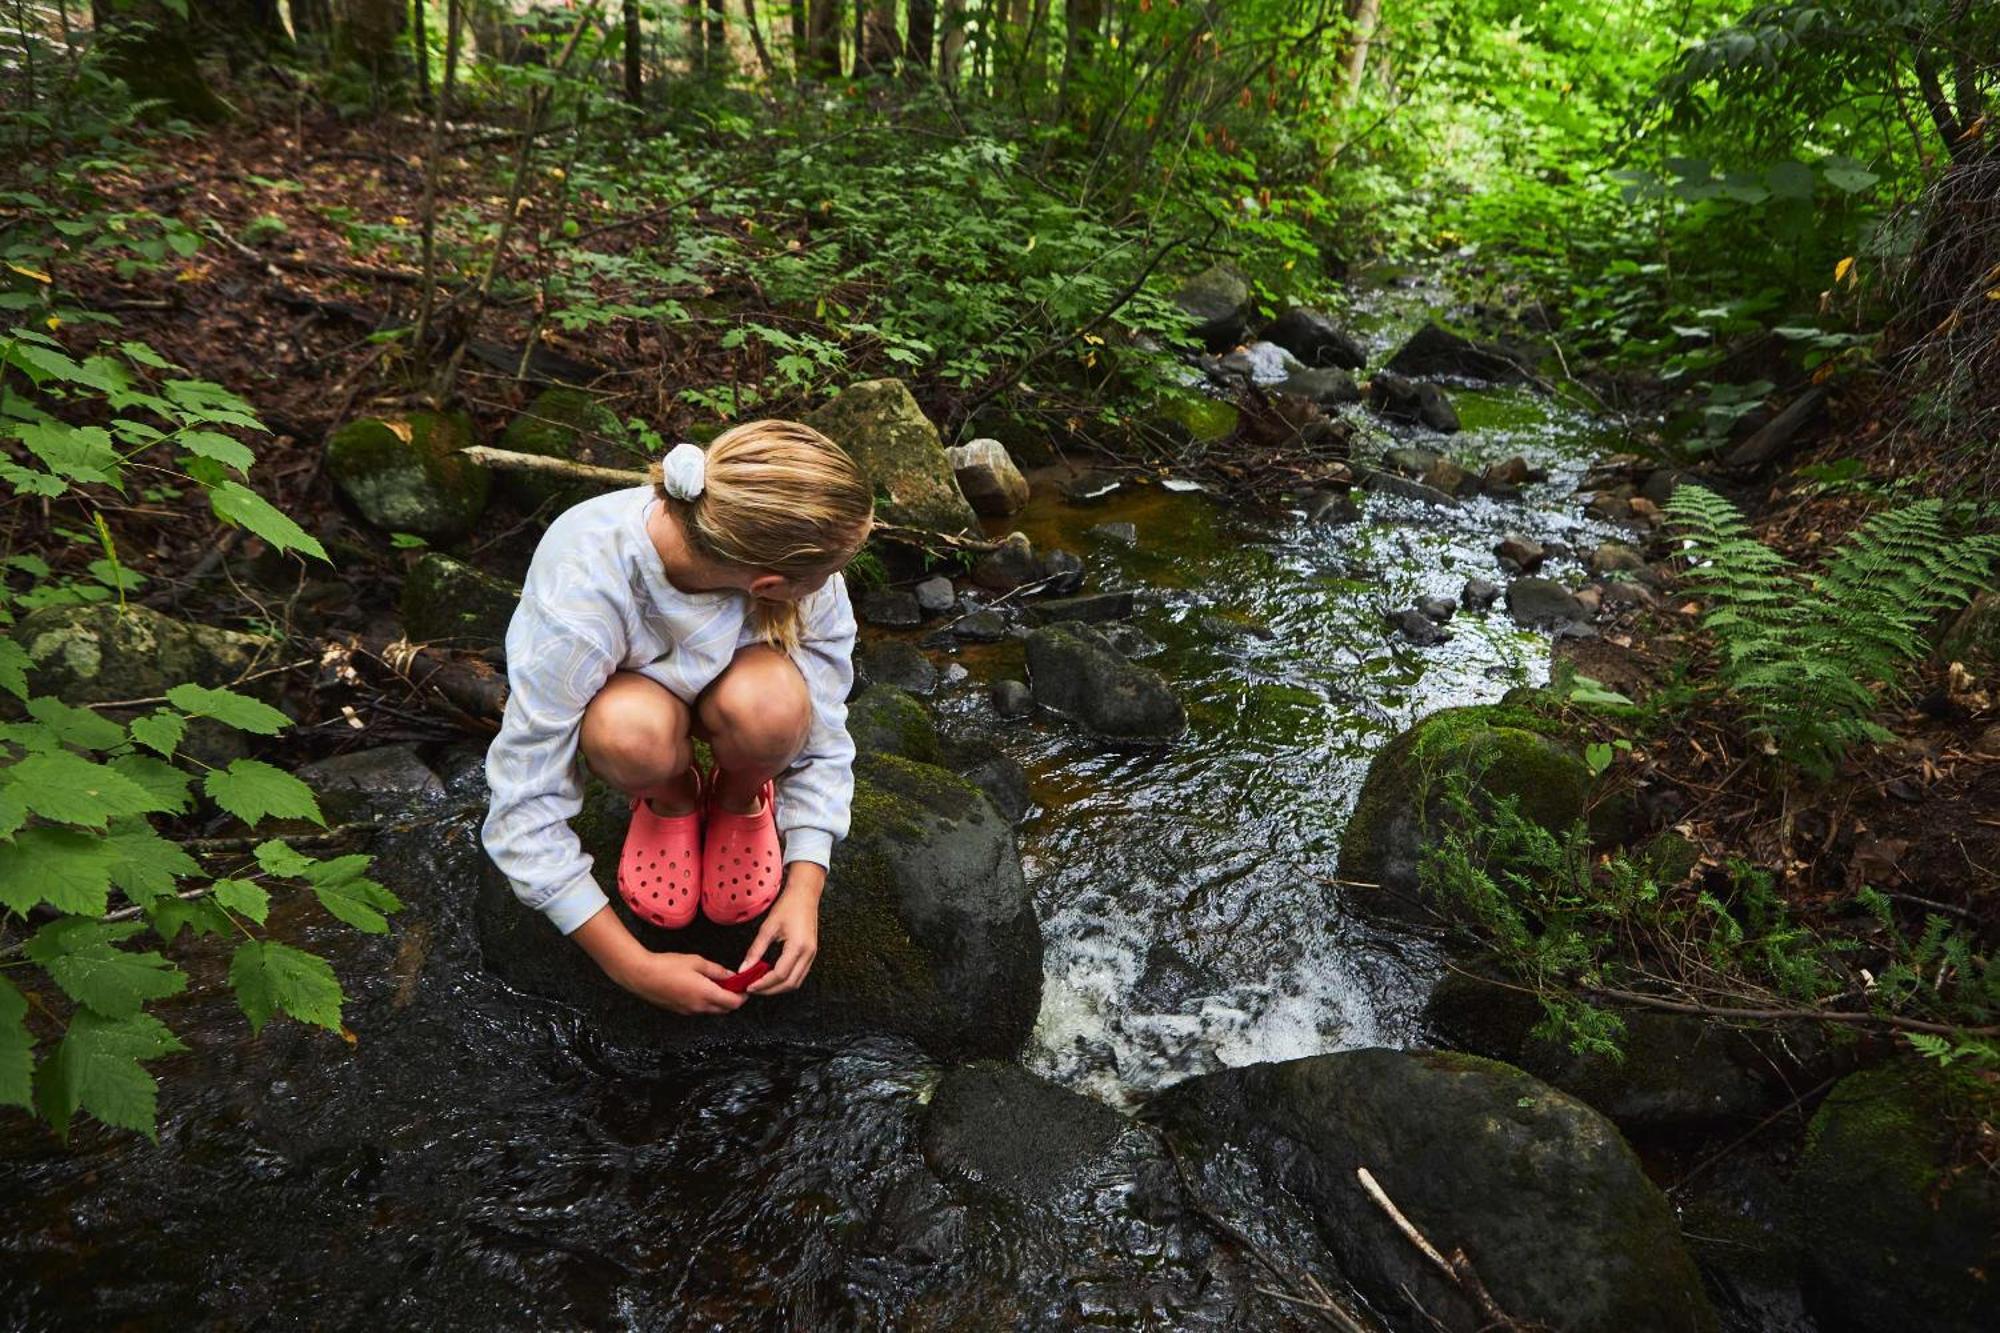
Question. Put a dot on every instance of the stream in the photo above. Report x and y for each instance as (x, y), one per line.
(473, 1159)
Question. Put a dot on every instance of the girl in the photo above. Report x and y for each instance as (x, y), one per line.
(709, 605)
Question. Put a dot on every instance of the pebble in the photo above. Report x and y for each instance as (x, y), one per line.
(935, 595)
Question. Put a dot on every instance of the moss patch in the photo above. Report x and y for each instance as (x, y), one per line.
(885, 720)
(569, 424)
(406, 474)
(1195, 418)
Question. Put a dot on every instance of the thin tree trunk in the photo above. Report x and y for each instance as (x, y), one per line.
(697, 50)
(951, 42)
(439, 115)
(757, 39)
(420, 45)
(1082, 18)
(1366, 14)
(922, 34)
(881, 44)
(823, 37)
(799, 43)
(718, 37)
(635, 91)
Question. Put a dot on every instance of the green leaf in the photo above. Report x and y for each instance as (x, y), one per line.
(1850, 180)
(251, 789)
(17, 1048)
(229, 708)
(270, 977)
(1789, 180)
(146, 356)
(147, 863)
(76, 726)
(234, 502)
(27, 481)
(159, 731)
(13, 812)
(97, 1069)
(14, 664)
(83, 958)
(70, 871)
(168, 785)
(358, 901)
(169, 916)
(217, 446)
(70, 789)
(276, 857)
(244, 898)
(81, 453)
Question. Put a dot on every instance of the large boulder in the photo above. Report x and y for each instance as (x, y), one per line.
(987, 476)
(447, 601)
(1218, 304)
(100, 653)
(1073, 671)
(1547, 1201)
(1899, 1219)
(567, 423)
(1434, 351)
(407, 474)
(880, 425)
(1315, 339)
(927, 931)
(1404, 807)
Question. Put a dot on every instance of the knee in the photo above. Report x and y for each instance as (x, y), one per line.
(760, 716)
(632, 746)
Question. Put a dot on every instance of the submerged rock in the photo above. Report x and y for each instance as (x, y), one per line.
(988, 477)
(447, 601)
(1075, 672)
(927, 931)
(1403, 808)
(1094, 608)
(1218, 303)
(1187, 417)
(983, 626)
(1539, 1190)
(880, 425)
(1121, 534)
(406, 474)
(570, 424)
(1315, 339)
(1401, 399)
(1388, 483)
(1062, 572)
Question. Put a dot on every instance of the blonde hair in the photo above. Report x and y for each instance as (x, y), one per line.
(777, 497)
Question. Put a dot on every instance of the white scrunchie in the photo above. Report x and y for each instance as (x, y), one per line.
(684, 472)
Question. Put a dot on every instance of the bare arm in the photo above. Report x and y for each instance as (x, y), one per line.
(682, 982)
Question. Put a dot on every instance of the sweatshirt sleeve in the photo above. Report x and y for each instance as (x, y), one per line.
(816, 793)
(534, 771)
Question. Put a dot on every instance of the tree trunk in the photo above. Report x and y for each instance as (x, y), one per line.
(697, 48)
(757, 39)
(1083, 19)
(148, 46)
(823, 37)
(420, 46)
(717, 56)
(881, 44)
(799, 40)
(368, 33)
(1365, 14)
(635, 91)
(922, 34)
(951, 42)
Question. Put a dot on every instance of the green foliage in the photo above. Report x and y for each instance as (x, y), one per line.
(1803, 658)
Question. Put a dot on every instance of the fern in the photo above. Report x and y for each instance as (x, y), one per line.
(1807, 658)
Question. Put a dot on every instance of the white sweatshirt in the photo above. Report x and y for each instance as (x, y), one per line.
(597, 601)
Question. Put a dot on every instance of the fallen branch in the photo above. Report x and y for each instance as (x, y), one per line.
(506, 460)
(1897, 1021)
(1457, 1268)
(470, 688)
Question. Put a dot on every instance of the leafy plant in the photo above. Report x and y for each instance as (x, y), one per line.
(86, 871)
(1806, 658)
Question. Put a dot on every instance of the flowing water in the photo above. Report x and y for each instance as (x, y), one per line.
(474, 1159)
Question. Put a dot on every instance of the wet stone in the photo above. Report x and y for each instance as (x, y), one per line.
(935, 595)
(890, 608)
(1388, 483)
(1331, 508)
(1478, 594)
(1400, 399)
(371, 784)
(1008, 567)
(981, 627)
(1062, 572)
(1412, 460)
(1094, 607)
(1613, 557)
(1315, 339)
(1526, 553)
(1073, 671)
(894, 662)
(988, 477)
(1418, 628)
(1448, 476)
(1542, 603)
(1129, 641)
(1439, 609)
(1323, 385)
(1120, 534)
(1512, 472)
(1011, 698)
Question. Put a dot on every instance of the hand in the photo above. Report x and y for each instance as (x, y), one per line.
(681, 982)
(794, 922)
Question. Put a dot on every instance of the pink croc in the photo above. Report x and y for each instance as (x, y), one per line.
(741, 863)
(659, 872)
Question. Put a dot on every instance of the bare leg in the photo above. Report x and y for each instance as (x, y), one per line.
(756, 717)
(636, 737)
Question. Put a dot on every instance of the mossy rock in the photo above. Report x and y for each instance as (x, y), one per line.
(881, 427)
(883, 719)
(1974, 635)
(1503, 752)
(1188, 417)
(927, 930)
(1547, 1200)
(447, 601)
(406, 474)
(1899, 1231)
(564, 423)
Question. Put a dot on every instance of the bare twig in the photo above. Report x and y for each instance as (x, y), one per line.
(1457, 1268)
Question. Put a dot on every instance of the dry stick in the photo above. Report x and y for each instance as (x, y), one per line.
(538, 106)
(1458, 1268)
(506, 460)
(1897, 1021)
(432, 154)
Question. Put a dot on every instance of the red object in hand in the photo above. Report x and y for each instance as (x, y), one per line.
(743, 980)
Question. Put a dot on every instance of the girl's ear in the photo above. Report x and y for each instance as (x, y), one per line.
(771, 587)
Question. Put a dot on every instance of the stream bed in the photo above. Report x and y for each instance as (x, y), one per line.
(474, 1159)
